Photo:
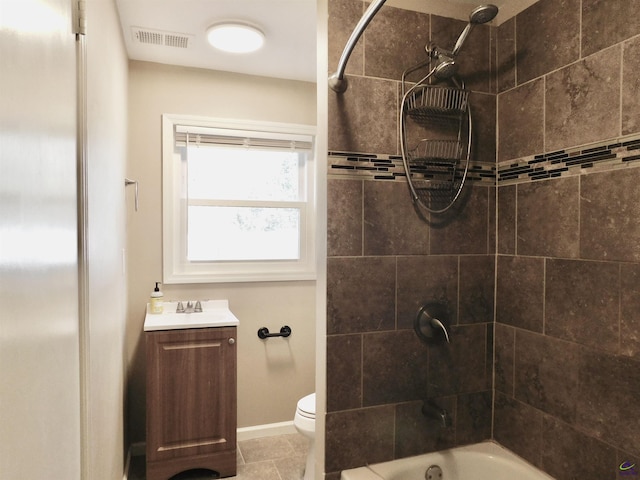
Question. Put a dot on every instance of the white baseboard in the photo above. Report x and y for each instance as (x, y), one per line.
(266, 430)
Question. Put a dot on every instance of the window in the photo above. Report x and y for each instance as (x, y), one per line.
(238, 201)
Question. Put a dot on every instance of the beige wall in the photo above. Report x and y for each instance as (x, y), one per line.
(272, 374)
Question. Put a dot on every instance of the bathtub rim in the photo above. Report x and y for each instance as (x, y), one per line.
(377, 471)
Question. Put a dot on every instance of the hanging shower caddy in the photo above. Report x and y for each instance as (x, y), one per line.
(436, 165)
(435, 140)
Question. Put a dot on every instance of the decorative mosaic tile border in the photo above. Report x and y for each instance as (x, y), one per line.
(370, 166)
(608, 155)
(614, 154)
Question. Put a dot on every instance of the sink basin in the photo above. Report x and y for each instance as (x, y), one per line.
(215, 313)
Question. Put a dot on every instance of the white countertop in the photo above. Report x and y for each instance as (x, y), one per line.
(215, 313)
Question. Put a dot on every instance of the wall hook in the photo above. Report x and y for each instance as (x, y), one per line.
(128, 182)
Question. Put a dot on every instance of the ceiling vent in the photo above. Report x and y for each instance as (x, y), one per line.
(158, 37)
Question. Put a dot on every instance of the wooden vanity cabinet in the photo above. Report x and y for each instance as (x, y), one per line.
(191, 401)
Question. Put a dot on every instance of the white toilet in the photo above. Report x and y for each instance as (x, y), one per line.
(305, 423)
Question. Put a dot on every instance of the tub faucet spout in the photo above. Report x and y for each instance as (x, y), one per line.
(431, 410)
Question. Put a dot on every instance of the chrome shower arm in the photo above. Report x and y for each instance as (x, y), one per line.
(337, 82)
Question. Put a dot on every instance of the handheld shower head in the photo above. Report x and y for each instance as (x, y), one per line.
(483, 14)
(446, 66)
(479, 15)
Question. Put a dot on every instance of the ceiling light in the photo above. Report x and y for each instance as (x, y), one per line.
(235, 37)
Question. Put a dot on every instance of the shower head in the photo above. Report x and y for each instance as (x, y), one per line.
(483, 14)
(479, 15)
(446, 67)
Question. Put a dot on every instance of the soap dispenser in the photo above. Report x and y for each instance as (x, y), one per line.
(156, 300)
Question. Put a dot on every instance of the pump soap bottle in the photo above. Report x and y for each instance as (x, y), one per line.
(156, 300)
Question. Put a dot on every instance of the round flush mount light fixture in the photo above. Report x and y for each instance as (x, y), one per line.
(235, 37)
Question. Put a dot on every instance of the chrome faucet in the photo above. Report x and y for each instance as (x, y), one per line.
(431, 410)
(190, 308)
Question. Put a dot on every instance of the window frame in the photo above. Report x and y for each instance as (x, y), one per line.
(176, 268)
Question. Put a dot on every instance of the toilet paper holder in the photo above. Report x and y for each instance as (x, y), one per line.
(263, 333)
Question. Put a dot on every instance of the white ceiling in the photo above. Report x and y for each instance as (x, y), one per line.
(289, 27)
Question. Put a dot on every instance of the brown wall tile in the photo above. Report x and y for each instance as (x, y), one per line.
(463, 228)
(606, 22)
(546, 374)
(570, 454)
(518, 427)
(630, 310)
(507, 219)
(493, 221)
(506, 55)
(504, 359)
(582, 302)
(607, 405)
(548, 218)
(547, 36)
(416, 433)
(582, 101)
(426, 279)
(344, 217)
(391, 226)
(520, 292)
(473, 417)
(521, 121)
(610, 215)
(477, 287)
(631, 85)
(344, 372)
(459, 366)
(364, 118)
(360, 294)
(394, 368)
(390, 50)
(343, 17)
(484, 127)
(359, 437)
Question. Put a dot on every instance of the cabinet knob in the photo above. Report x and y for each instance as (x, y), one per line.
(232, 341)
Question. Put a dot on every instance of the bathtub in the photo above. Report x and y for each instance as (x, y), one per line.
(482, 461)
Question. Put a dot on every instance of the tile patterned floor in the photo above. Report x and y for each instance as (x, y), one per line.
(280, 457)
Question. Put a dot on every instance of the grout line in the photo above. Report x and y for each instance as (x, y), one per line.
(544, 296)
(620, 292)
(580, 31)
(621, 97)
(362, 229)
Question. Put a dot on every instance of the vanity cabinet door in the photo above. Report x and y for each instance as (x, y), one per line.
(191, 398)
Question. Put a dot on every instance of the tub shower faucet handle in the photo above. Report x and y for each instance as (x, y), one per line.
(431, 323)
(438, 324)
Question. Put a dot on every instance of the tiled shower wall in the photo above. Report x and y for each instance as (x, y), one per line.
(384, 261)
(567, 384)
(567, 331)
